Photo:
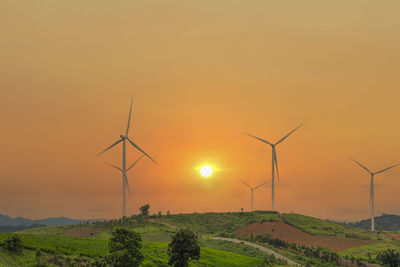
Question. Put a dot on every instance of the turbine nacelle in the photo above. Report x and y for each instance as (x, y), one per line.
(123, 136)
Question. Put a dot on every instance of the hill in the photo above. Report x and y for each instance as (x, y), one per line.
(386, 222)
(226, 239)
(9, 224)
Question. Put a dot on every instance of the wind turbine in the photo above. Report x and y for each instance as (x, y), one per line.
(274, 161)
(371, 188)
(123, 139)
(252, 190)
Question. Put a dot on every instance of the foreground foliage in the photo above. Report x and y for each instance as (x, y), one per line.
(183, 247)
(125, 248)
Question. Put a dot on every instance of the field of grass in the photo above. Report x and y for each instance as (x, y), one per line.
(52, 230)
(317, 226)
(155, 252)
(215, 223)
(372, 250)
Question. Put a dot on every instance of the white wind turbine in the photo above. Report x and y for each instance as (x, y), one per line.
(371, 189)
(123, 139)
(252, 190)
(274, 161)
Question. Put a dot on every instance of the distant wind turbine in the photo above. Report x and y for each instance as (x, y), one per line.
(252, 190)
(274, 161)
(371, 189)
(123, 139)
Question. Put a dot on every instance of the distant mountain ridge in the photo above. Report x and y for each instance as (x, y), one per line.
(6, 220)
(386, 222)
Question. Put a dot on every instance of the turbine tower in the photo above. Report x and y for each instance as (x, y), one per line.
(274, 161)
(371, 189)
(252, 190)
(124, 139)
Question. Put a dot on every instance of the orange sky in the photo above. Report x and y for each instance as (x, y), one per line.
(202, 73)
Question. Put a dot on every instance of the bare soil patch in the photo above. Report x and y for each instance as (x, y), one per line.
(393, 235)
(291, 234)
(86, 232)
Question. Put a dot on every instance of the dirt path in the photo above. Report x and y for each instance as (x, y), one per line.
(261, 248)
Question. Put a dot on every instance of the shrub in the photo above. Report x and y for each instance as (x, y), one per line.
(389, 258)
(13, 243)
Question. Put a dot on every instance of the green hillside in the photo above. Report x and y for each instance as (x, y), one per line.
(214, 223)
(317, 226)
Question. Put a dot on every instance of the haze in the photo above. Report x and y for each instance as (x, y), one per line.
(201, 73)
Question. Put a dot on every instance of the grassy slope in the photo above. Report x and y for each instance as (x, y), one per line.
(155, 252)
(213, 223)
(317, 226)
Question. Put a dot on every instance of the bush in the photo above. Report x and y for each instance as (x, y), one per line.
(13, 243)
(389, 258)
(125, 248)
(183, 247)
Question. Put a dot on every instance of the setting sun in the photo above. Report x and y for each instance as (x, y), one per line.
(206, 171)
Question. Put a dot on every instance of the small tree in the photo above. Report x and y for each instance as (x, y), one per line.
(144, 210)
(183, 247)
(168, 213)
(389, 258)
(125, 248)
(159, 214)
(13, 243)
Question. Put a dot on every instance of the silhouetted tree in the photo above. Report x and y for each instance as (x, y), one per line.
(144, 210)
(183, 247)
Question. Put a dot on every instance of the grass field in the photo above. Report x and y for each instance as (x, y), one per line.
(215, 223)
(369, 250)
(317, 226)
(155, 252)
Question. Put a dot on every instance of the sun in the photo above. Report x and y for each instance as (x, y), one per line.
(206, 171)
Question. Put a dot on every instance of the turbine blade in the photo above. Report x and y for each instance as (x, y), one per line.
(246, 184)
(362, 166)
(259, 139)
(115, 167)
(129, 118)
(141, 150)
(135, 163)
(127, 186)
(260, 185)
(276, 163)
(387, 168)
(286, 136)
(116, 143)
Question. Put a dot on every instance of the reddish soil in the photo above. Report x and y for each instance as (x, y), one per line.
(291, 234)
(395, 236)
(86, 232)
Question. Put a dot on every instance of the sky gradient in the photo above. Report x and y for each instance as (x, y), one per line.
(202, 73)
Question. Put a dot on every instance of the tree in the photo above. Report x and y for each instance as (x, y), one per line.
(183, 247)
(13, 243)
(389, 258)
(125, 248)
(144, 210)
